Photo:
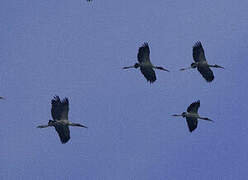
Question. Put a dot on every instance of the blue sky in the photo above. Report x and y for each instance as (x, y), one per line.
(77, 49)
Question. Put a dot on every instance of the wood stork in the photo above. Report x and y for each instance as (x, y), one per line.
(201, 63)
(192, 115)
(60, 120)
(145, 65)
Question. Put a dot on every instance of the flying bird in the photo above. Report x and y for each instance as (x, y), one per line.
(201, 63)
(145, 65)
(192, 115)
(59, 111)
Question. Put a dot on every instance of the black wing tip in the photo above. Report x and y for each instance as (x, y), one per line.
(198, 101)
(143, 52)
(151, 80)
(206, 73)
(55, 99)
(191, 130)
(145, 44)
(64, 141)
(197, 44)
(209, 79)
(65, 100)
(193, 106)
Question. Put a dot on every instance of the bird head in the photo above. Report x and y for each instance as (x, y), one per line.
(193, 65)
(136, 65)
(50, 122)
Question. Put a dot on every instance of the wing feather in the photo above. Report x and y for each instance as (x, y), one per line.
(60, 109)
(193, 108)
(63, 132)
(206, 73)
(192, 123)
(149, 74)
(144, 53)
(198, 52)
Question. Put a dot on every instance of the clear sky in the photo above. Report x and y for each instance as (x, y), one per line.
(76, 49)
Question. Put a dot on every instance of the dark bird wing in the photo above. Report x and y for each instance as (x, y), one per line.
(144, 53)
(63, 132)
(206, 73)
(193, 108)
(192, 123)
(149, 74)
(60, 108)
(198, 52)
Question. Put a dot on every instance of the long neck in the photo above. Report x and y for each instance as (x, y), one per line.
(43, 126)
(127, 67)
(177, 115)
(183, 69)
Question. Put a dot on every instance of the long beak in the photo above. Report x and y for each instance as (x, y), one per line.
(127, 67)
(182, 69)
(42, 126)
(177, 115)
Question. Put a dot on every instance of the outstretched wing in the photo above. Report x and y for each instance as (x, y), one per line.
(149, 74)
(206, 73)
(144, 53)
(192, 123)
(198, 52)
(193, 108)
(63, 132)
(60, 109)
